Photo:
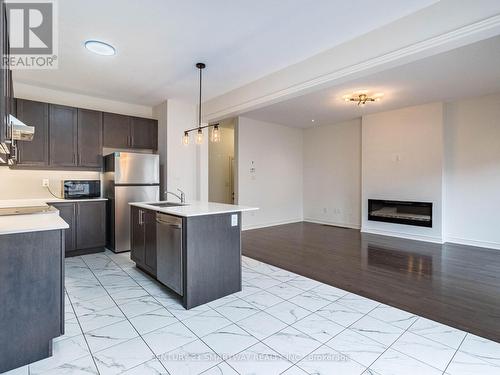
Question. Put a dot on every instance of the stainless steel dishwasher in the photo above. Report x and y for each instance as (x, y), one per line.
(169, 251)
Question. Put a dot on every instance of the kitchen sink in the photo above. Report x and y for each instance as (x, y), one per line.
(167, 204)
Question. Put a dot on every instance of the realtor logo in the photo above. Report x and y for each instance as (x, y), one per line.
(32, 34)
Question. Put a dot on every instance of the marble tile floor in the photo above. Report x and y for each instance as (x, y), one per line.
(120, 321)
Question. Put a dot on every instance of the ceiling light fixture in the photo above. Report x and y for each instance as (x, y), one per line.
(361, 98)
(100, 48)
(215, 137)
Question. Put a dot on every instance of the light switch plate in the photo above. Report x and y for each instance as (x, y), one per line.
(234, 220)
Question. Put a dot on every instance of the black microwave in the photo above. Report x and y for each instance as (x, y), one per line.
(81, 189)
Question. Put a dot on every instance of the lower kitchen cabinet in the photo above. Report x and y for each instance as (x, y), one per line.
(67, 213)
(87, 226)
(143, 239)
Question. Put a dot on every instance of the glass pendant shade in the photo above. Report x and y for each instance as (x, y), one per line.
(199, 137)
(216, 134)
(185, 138)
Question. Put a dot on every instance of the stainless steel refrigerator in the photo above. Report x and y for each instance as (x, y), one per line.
(128, 177)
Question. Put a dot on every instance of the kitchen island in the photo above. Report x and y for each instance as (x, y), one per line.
(194, 249)
(31, 282)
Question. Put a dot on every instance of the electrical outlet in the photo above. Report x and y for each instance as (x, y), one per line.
(45, 182)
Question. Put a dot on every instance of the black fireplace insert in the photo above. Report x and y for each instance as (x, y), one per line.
(400, 212)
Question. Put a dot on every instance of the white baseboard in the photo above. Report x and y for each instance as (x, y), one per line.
(478, 243)
(271, 224)
(326, 222)
(409, 236)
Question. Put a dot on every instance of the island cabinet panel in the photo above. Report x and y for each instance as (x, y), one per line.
(31, 295)
(89, 138)
(116, 132)
(136, 236)
(150, 241)
(143, 239)
(212, 254)
(63, 136)
(87, 226)
(36, 152)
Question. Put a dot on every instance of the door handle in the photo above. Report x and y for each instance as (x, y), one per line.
(140, 217)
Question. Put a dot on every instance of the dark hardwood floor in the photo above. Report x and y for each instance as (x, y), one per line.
(453, 284)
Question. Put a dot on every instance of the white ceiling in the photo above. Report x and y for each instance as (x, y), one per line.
(468, 71)
(159, 41)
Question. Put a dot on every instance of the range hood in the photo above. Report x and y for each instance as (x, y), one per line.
(21, 131)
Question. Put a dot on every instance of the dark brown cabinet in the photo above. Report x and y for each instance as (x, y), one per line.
(129, 132)
(36, 152)
(136, 236)
(89, 138)
(116, 131)
(68, 214)
(5, 78)
(32, 295)
(87, 226)
(90, 224)
(73, 138)
(143, 239)
(62, 136)
(144, 133)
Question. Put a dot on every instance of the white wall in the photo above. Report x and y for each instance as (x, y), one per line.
(275, 151)
(187, 165)
(332, 174)
(402, 159)
(472, 159)
(220, 154)
(21, 184)
(43, 94)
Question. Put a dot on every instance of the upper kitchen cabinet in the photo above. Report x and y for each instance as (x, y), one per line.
(89, 138)
(36, 152)
(63, 133)
(65, 137)
(129, 132)
(116, 130)
(144, 133)
(6, 91)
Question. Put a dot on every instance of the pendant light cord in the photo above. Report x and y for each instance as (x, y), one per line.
(199, 105)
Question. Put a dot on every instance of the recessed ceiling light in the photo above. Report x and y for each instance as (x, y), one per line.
(312, 120)
(100, 48)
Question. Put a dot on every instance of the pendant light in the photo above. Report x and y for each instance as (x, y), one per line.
(215, 135)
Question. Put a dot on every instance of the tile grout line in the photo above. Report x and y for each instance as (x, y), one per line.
(390, 346)
(264, 310)
(198, 337)
(454, 354)
(81, 329)
(155, 356)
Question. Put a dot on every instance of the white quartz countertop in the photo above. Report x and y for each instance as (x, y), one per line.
(39, 201)
(31, 223)
(195, 208)
(34, 222)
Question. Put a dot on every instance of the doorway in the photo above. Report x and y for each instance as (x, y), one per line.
(221, 165)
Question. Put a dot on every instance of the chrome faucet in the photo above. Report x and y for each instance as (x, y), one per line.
(181, 197)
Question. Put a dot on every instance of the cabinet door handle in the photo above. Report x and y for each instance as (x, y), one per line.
(141, 217)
